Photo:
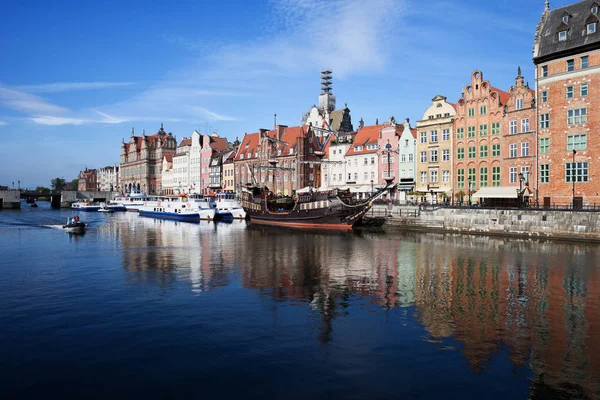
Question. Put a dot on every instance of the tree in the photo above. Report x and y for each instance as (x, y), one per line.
(42, 190)
(74, 184)
(58, 184)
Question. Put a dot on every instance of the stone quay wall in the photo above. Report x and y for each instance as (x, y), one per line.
(10, 199)
(566, 225)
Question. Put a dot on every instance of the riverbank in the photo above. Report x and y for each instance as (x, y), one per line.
(538, 224)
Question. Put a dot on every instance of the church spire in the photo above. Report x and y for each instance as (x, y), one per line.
(547, 6)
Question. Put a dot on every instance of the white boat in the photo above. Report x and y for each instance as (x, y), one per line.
(171, 207)
(85, 206)
(133, 201)
(104, 208)
(206, 206)
(227, 207)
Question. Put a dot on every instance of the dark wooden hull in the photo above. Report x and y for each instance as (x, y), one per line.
(338, 217)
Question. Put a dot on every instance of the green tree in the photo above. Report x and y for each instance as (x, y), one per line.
(58, 184)
(74, 184)
(42, 189)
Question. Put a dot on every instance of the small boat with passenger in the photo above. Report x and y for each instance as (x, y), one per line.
(74, 225)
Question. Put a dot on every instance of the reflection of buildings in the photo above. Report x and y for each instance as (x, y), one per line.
(542, 304)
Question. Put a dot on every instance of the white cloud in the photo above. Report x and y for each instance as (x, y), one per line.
(54, 121)
(27, 103)
(3, 123)
(72, 86)
(210, 115)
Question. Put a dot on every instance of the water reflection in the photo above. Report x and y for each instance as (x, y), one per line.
(539, 302)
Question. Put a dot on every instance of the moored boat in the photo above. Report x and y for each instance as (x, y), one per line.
(133, 201)
(227, 207)
(310, 209)
(85, 206)
(105, 209)
(173, 208)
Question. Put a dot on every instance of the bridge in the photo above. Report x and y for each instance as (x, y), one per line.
(11, 198)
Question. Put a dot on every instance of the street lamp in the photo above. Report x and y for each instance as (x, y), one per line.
(573, 174)
(469, 191)
(431, 191)
(371, 186)
(388, 150)
(520, 193)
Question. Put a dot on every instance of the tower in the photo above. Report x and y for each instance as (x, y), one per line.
(326, 98)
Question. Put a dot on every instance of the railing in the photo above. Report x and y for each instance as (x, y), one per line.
(532, 206)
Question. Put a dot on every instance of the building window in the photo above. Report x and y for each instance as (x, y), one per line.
(545, 173)
(471, 131)
(576, 142)
(372, 160)
(446, 135)
(544, 71)
(423, 177)
(569, 92)
(356, 176)
(594, 10)
(570, 65)
(460, 153)
(423, 156)
(544, 96)
(496, 150)
(433, 156)
(423, 137)
(483, 110)
(433, 176)
(577, 116)
(495, 128)
(591, 28)
(576, 172)
(583, 89)
(460, 178)
(519, 103)
(525, 125)
(544, 121)
(410, 157)
(525, 173)
(472, 177)
(495, 176)
(483, 176)
(483, 130)
(366, 160)
(403, 157)
(525, 149)
(372, 174)
(512, 150)
(565, 19)
(472, 151)
(471, 112)
(545, 145)
(434, 136)
(562, 36)
(512, 175)
(446, 155)
(445, 176)
(460, 133)
(513, 127)
(483, 151)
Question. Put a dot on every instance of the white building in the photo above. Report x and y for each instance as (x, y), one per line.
(362, 161)
(108, 179)
(333, 168)
(167, 180)
(181, 167)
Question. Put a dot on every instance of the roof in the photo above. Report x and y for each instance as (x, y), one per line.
(249, 145)
(169, 158)
(185, 142)
(367, 135)
(289, 137)
(579, 15)
(218, 143)
(503, 95)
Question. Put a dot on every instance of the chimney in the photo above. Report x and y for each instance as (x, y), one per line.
(280, 130)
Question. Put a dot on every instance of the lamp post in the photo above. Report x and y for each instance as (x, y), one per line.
(573, 176)
(520, 194)
(388, 150)
(469, 192)
(431, 191)
(371, 187)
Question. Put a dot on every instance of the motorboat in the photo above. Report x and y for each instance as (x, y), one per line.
(74, 225)
(85, 206)
(227, 207)
(115, 206)
(206, 205)
(34, 205)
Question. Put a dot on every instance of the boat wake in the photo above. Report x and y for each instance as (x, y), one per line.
(60, 227)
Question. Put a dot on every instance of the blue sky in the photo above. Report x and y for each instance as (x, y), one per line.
(76, 76)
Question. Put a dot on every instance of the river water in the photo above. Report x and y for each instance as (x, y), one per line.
(152, 308)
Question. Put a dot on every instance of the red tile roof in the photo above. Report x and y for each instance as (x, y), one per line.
(249, 145)
(503, 95)
(218, 143)
(367, 135)
(185, 142)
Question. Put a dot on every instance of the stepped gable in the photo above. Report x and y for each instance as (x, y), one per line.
(548, 46)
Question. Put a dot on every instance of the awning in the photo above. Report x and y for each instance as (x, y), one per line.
(406, 187)
(500, 192)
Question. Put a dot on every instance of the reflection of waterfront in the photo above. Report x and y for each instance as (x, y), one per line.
(539, 303)
(158, 251)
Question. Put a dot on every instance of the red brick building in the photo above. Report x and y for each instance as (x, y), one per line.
(566, 58)
(478, 132)
(519, 145)
(141, 161)
(88, 181)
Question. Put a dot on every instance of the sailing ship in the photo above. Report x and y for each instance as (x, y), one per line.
(311, 209)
